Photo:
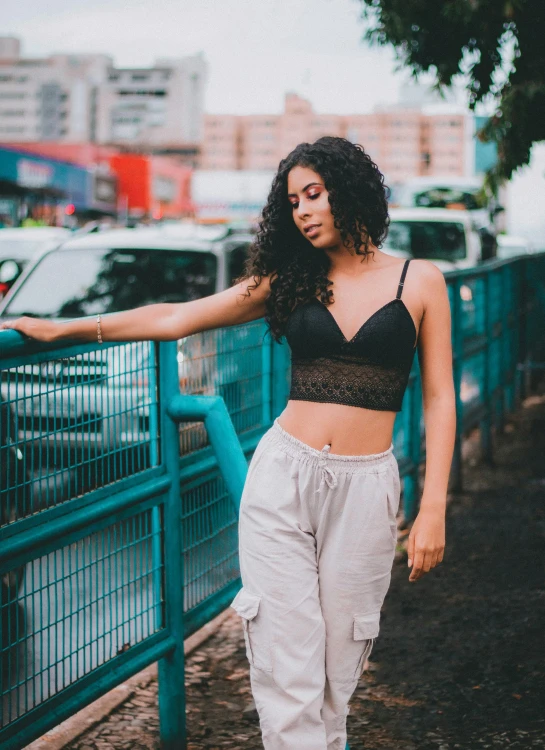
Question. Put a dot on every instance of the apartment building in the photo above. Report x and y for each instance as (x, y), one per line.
(160, 107)
(85, 98)
(404, 141)
(48, 99)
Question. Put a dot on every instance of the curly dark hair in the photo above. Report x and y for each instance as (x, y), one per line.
(359, 204)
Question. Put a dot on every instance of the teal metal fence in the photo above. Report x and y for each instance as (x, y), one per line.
(119, 495)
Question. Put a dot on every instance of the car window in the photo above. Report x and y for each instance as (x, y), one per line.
(433, 240)
(74, 283)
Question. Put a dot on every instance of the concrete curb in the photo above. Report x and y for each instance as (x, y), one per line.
(76, 725)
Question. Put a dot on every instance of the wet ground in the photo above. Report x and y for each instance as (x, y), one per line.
(460, 659)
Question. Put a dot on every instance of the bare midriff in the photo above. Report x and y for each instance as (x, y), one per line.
(349, 430)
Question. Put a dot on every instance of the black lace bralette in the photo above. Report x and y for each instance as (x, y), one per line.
(371, 370)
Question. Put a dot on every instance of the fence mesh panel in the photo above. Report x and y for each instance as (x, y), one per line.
(209, 533)
(74, 424)
(65, 613)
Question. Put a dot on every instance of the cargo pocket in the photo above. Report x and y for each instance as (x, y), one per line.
(256, 630)
(366, 628)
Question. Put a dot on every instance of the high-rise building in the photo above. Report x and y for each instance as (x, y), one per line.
(85, 98)
(48, 99)
(159, 107)
(405, 141)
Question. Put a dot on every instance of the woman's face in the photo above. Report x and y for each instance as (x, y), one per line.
(310, 207)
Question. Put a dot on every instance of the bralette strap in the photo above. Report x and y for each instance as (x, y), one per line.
(402, 279)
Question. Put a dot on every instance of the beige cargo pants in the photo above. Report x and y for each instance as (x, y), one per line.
(317, 535)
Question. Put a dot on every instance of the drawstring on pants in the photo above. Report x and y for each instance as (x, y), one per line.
(328, 475)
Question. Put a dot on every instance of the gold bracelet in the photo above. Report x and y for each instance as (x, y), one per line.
(99, 330)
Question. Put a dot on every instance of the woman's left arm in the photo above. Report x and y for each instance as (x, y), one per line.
(427, 537)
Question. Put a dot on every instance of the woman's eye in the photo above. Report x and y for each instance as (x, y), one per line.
(310, 196)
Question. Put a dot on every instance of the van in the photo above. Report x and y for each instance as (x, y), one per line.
(446, 237)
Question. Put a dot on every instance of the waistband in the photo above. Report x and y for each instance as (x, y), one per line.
(373, 462)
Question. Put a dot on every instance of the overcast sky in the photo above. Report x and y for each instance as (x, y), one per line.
(256, 49)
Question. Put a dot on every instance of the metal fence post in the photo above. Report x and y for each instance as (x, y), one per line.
(171, 668)
(486, 421)
(156, 521)
(457, 351)
(523, 330)
(411, 484)
(506, 349)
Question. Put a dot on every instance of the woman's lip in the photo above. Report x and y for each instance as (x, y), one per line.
(311, 231)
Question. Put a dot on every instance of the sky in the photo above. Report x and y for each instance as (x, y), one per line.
(256, 50)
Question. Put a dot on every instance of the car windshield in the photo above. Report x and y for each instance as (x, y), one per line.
(433, 240)
(72, 283)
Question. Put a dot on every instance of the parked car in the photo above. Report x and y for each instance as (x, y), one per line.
(19, 245)
(447, 237)
(99, 403)
(123, 268)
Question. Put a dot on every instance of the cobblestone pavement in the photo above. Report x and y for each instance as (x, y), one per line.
(459, 662)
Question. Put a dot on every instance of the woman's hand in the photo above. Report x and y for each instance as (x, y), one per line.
(426, 542)
(36, 328)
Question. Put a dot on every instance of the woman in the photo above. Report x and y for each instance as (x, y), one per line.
(317, 528)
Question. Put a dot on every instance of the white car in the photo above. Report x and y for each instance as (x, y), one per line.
(446, 237)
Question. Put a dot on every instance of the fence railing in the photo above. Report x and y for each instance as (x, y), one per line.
(118, 495)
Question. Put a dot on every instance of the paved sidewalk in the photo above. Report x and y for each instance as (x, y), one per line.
(460, 659)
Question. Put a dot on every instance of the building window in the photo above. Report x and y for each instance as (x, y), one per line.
(141, 92)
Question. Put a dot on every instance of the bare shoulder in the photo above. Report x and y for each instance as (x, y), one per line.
(425, 270)
(428, 279)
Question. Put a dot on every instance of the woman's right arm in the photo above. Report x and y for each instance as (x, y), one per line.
(160, 322)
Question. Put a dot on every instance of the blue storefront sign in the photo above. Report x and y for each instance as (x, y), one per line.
(68, 181)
